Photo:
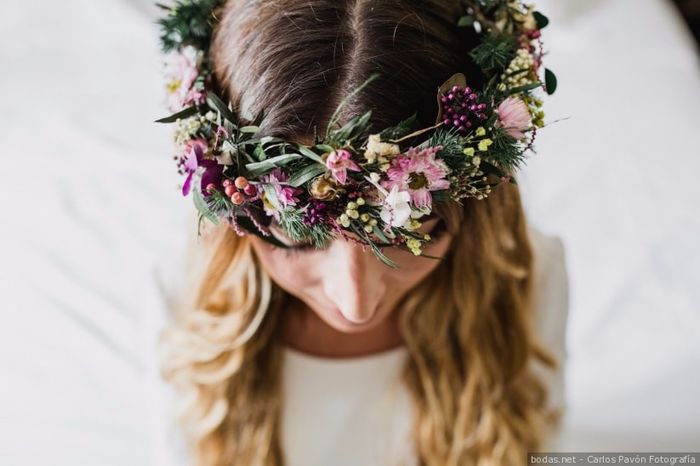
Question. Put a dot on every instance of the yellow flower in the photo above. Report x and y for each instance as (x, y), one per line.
(413, 224)
(414, 245)
(469, 151)
(480, 131)
(484, 144)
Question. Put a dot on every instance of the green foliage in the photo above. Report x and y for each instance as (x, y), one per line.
(505, 150)
(400, 130)
(292, 222)
(550, 81)
(451, 143)
(188, 22)
(494, 53)
(542, 20)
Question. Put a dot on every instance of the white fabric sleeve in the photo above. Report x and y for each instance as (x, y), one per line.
(551, 315)
(167, 443)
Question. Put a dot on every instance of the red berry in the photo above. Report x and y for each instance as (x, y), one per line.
(211, 187)
(226, 183)
(241, 182)
(250, 190)
(237, 198)
(230, 190)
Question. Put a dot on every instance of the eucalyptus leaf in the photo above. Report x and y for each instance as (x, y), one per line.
(305, 174)
(249, 129)
(466, 21)
(550, 81)
(525, 88)
(215, 103)
(187, 112)
(306, 152)
(541, 20)
(203, 208)
(259, 168)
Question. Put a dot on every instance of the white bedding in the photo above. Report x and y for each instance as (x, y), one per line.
(89, 206)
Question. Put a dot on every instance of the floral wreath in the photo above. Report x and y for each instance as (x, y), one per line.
(347, 181)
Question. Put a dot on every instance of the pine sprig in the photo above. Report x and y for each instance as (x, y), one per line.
(505, 151)
(293, 224)
(451, 143)
(188, 22)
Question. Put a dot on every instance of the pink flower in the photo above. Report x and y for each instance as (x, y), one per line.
(182, 71)
(339, 162)
(514, 116)
(418, 172)
(284, 194)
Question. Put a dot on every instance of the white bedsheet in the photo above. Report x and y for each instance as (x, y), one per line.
(89, 206)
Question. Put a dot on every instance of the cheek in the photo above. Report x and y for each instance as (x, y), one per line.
(413, 269)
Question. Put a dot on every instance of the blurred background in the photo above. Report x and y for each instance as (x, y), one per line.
(90, 206)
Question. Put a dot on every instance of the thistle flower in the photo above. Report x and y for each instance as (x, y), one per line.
(514, 117)
(418, 172)
(339, 162)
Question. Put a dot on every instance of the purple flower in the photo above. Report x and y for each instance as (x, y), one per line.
(418, 172)
(339, 162)
(192, 159)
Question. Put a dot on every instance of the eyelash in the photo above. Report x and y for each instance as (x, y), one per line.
(437, 231)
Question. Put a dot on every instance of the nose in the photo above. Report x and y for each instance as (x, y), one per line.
(353, 282)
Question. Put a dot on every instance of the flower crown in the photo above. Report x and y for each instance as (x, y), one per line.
(349, 181)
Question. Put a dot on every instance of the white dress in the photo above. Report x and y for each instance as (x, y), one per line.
(355, 411)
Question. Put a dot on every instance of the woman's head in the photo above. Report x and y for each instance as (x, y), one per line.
(465, 316)
(295, 61)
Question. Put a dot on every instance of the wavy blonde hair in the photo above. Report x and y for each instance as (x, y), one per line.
(467, 326)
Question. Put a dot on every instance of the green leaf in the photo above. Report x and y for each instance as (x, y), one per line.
(187, 112)
(541, 20)
(336, 114)
(203, 207)
(349, 130)
(305, 174)
(306, 152)
(260, 168)
(466, 21)
(525, 88)
(550, 81)
(380, 234)
(400, 130)
(249, 129)
(324, 148)
(377, 252)
(215, 103)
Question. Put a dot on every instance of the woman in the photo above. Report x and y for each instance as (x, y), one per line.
(290, 353)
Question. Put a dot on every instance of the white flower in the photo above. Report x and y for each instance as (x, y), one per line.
(396, 209)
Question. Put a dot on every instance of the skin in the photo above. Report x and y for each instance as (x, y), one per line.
(344, 299)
